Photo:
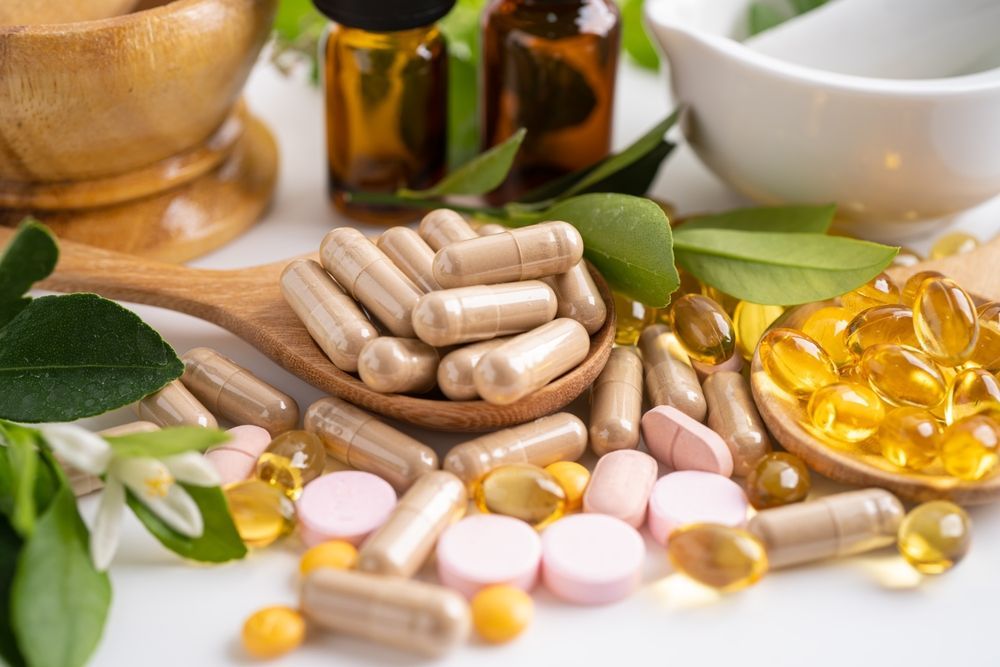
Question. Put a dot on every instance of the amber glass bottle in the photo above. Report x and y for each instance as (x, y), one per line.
(385, 70)
(549, 66)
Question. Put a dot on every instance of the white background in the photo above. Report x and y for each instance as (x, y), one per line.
(863, 610)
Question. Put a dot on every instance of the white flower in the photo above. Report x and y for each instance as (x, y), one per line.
(78, 447)
(192, 468)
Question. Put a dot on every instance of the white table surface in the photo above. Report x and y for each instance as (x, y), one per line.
(863, 610)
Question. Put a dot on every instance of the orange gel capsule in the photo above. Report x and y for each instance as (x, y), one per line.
(703, 329)
(795, 362)
(879, 291)
(828, 327)
(882, 324)
(945, 321)
(903, 376)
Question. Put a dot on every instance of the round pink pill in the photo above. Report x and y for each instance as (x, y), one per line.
(236, 458)
(345, 505)
(692, 496)
(487, 549)
(592, 558)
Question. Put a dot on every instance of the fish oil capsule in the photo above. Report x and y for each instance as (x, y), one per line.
(750, 321)
(722, 557)
(956, 243)
(443, 226)
(523, 491)
(910, 437)
(490, 228)
(398, 365)
(573, 478)
(778, 479)
(987, 352)
(703, 329)
(358, 439)
(332, 318)
(828, 327)
(526, 253)
(500, 613)
(879, 291)
(837, 525)
(631, 319)
(903, 376)
(579, 298)
(945, 321)
(733, 414)
(261, 512)
(970, 448)
(455, 316)
(846, 411)
(235, 393)
(913, 283)
(935, 536)
(528, 362)
(411, 254)
(972, 391)
(881, 324)
(174, 405)
(371, 278)
(669, 380)
(558, 437)
(409, 615)
(273, 631)
(616, 403)
(795, 362)
(455, 372)
(726, 302)
(401, 545)
(291, 461)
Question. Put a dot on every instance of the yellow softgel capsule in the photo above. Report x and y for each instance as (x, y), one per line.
(778, 479)
(881, 324)
(338, 554)
(846, 411)
(945, 321)
(912, 285)
(970, 448)
(726, 302)
(273, 631)
(903, 376)
(751, 320)
(828, 327)
(879, 291)
(262, 513)
(956, 243)
(703, 329)
(970, 392)
(987, 352)
(722, 557)
(910, 437)
(795, 362)
(522, 491)
(500, 613)
(573, 478)
(935, 536)
(291, 461)
(631, 317)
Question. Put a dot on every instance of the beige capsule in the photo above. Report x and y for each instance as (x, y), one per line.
(442, 227)
(540, 250)
(402, 544)
(490, 228)
(528, 362)
(733, 414)
(398, 365)
(837, 525)
(579, 298)
(620, 486)
(616, 403)
(332, 318)
(409, 615)
(236, 394)
(558, 437)
(354, 437)
(371, 278)
(411, 254)
(466, 314)
(174, 405)
(669, 381)
(455, 372)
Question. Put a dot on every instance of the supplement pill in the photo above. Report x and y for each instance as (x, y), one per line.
(621, 484)
(970, 392)
(616, 403)
(828, 327)
(262, 513)
(522, 491)
(347, 505)
(398, 365)
(778, 479)
(681, 443)
(970, 448)
(750, 321)
(846, 411)
(411, 255)
(174, 405)
(722, 557)
(882, 324)
(631, 319)
(443, 226)
(291, 461)
(573, 478)
(913, 283)
(795, 362)
(987, 352)
(490, 228)
(691, 496)
(455, 372)
(501, 613)
(910, 437)
(273, 631)
(486, 550)
(733, 414)
(956, 243)
(703, 329)
(945, 321)
(669, 380)
(903, 376)
(879, 291)
(579, 298)
(935, 536)
(336, 554)
(236, 459)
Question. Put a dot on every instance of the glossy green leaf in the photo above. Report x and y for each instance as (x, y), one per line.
(634, 38)
(77, 355)
(479, 175)
(461, 29)
(10, 547)
(295, 17)
(788, 219)
(30, 257)
(803, 6)
(764, 17)
(22, 455)
(779, 268)
(166, 442)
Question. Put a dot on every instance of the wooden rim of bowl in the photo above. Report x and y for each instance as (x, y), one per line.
(97, 25)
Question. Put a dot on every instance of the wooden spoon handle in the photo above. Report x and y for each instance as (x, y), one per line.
(977, 271)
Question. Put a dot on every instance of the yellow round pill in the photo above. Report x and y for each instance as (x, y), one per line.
(573, 478)
(338, 554)
(273, 631)
(500, 613)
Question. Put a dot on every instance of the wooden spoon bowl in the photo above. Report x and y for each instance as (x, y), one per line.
(34, 12)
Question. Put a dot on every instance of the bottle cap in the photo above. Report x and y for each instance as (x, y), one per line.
(385, 15)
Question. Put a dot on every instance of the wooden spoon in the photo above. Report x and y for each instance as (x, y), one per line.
(248, 302)
(786, 417)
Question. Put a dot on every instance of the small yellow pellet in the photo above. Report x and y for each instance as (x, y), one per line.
(903, 376)
(956, 243)
(910, 437)
(879, 291)
(778, 479)
(291, 461)
(795, 362)
(726, 302)
(273, 631)
(845, 411)
(262, 513)
(631, 317)
(881, 324)
(935, 536)
(970, 448)
(913, 283)
(337, 554)
(722, 557)
(703, 329)
(828, 327)
(972, 391)
(573, 478)
(987, 352)
(522, 491)
(945, 321)
(751, 320)
(500, 613)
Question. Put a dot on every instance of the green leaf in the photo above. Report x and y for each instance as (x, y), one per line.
(764, 17)
(295, 17)
(803, 6)
(461, 29)
(31, 256)
(22, 454)
(779, 268)
(634, 37)
(10, 547)
(59, 601)
(77, 355)
(479, 175)
(166, 442)
(788, 219)
(219, 543)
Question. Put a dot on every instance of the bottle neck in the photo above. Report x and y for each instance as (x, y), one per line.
(395, 38)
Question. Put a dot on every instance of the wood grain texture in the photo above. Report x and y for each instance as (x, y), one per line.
(21, 12)
(977, 271)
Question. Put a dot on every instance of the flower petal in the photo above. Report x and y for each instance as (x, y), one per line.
(107, 525)
(78, 447)
(179, 511)
(146, 477)
(192, 468)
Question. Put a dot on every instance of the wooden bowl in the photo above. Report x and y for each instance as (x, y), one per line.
(33, 12)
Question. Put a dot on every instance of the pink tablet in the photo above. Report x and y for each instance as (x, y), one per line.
(692, 496)
(682, 443)
(345, 505)
(487, 549)
(236, 458)
(592, 559)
